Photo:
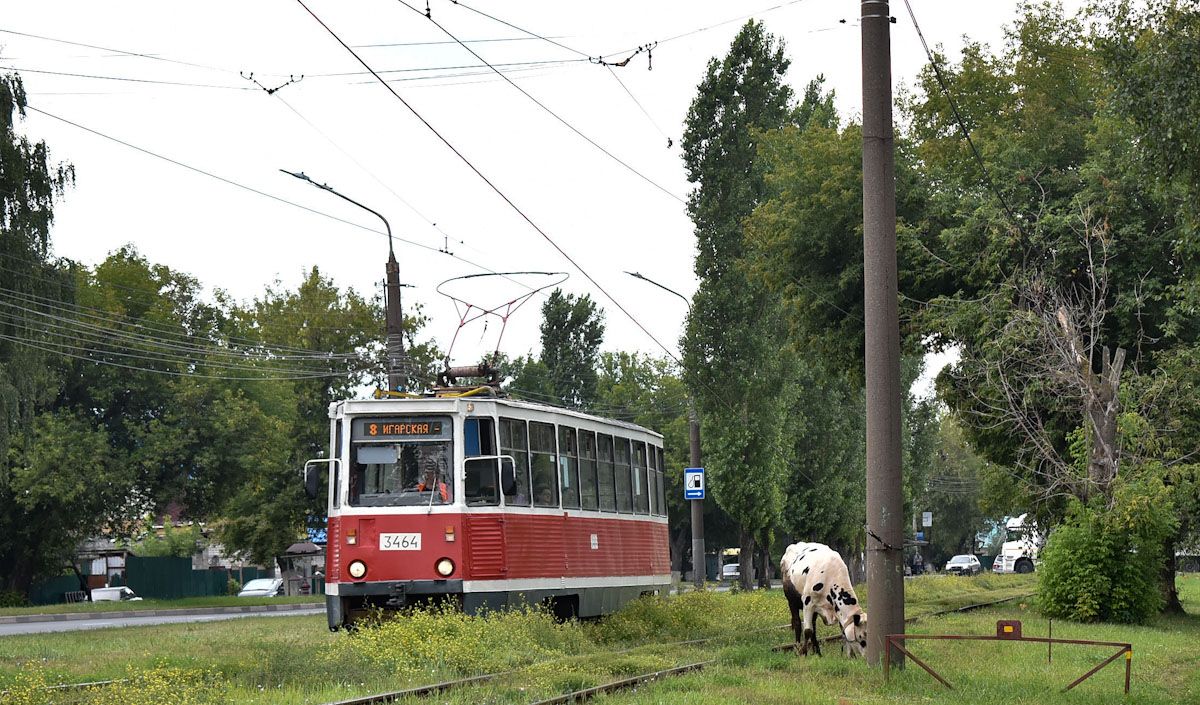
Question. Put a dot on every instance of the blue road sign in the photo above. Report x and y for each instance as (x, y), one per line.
(693, 483)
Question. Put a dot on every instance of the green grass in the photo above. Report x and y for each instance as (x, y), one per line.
(185, 603)
(294, 659)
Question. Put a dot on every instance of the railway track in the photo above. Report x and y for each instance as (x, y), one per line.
(579, 695)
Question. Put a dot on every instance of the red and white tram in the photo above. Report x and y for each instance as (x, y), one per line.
(490, 502)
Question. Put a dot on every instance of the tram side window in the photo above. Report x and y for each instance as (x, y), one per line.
(336, 466)
(542, 456)
(652, 459)
(513, 441)
(568, 467)
(660, 493)
(479, 437)
(481, 482)
(604, 472)
(641, 493)
(662, 484)
(587, 470)
(623, 473)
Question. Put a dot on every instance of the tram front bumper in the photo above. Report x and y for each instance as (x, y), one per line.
(401, 588)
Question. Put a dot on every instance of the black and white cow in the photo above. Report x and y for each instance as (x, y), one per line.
(815, 581)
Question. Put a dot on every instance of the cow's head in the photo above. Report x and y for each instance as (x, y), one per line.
(855, 632)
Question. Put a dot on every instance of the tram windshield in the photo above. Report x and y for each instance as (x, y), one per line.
(401, 463)
(402, 474)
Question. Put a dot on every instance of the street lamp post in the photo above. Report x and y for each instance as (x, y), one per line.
(397, 378)
(699, 565)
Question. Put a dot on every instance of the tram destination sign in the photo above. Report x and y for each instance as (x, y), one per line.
(400, 428)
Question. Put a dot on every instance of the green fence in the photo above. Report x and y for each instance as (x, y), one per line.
(53, 591)
(153, 578)
(173, 578)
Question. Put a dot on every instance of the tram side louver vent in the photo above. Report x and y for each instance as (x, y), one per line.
(485, 548)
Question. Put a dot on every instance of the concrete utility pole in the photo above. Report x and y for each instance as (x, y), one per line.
(885, 509)
(397, 377)
(699, 565)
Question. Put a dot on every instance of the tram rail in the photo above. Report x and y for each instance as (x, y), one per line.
(575, 696)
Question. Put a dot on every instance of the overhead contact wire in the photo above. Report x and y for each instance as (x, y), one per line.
(528, 95)
(485, 179)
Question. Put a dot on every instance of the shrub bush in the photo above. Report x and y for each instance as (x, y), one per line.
(1102, 564)
(12, 598)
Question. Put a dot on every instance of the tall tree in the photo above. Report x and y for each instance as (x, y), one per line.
(1055, 213)
(266, 509)
(29, 374)
(572, 330)
(732, 345)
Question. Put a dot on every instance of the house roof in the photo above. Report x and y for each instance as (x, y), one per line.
(303, 548)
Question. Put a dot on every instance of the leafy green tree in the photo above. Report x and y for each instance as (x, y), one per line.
(64, 483)
(29, 374)
(572, 330)
(1148, 52)
(528, 378)
(1061, 246)
(266, 509)
(140, 328)
(182, 542)
(952, 492)
(732, 345)
(827, 472)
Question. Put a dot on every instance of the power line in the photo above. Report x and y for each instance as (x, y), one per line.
(522, 213)
(152, 301)
(541, 105)
(126, 80)
(533, 35)
(152, 57)
(937, 70)
(422, 44)
(485, 179)
(31, 343)
(533, 64)
(636, 102)
(156, 330)
(712, 26)
(253, 190)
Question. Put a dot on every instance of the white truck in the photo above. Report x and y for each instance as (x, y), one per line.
(1019, 551)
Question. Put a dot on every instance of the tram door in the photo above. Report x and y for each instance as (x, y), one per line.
(484, 531)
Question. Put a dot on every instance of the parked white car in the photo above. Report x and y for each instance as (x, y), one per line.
(113, 594)
(263, 587)
(964, 565)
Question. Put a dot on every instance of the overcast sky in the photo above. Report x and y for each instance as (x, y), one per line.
(183, 99)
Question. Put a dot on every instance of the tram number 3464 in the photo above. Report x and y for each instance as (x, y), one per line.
(400, 542)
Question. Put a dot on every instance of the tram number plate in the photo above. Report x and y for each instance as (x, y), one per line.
(399, 542)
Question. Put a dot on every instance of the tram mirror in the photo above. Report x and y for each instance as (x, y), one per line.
(312, 481)
(508, 476)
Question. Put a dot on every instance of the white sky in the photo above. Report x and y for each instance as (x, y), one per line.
(608, 219)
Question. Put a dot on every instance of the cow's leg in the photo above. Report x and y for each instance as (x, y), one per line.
(810, 630)
(812, 634)
(795, 605)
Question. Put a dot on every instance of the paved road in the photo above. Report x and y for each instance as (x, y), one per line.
(36, 624)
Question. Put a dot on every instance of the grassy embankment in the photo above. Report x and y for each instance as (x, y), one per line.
(295, 660)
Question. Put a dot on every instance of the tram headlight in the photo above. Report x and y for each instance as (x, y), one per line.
(444, 567)
(357, 569)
